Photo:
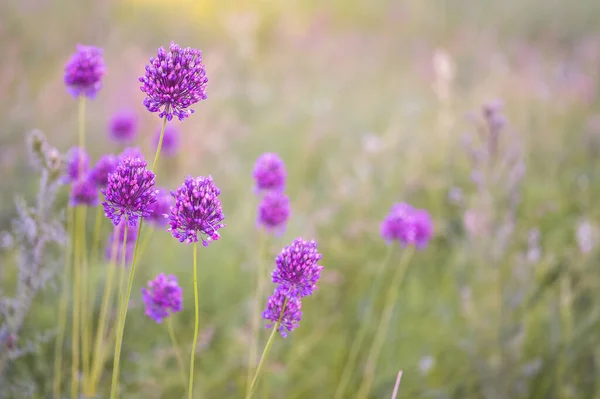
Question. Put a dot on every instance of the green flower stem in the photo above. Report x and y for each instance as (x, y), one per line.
(384, 324)
(75, 357)
(195, 341)
(160, 141)
(84, 310)
(176, 348)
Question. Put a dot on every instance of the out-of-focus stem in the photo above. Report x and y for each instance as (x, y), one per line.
(176, 348)
(262, 239)
(196, 322)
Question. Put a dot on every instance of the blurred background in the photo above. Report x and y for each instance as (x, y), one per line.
(368, 103)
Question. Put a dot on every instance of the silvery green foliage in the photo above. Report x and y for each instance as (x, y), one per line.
(35, 229)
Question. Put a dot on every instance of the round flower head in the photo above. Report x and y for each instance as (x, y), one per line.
(159, 211)
(84, 192)
(269, 172)
(274, 211)
(105, 165)
(174, 81)
(84, 71)
(292, 313)
(170, 143)
(123, 126)
(162, 297)
(78, 163)
(130, 191)
(407, 225)
(297, 270)
(114, 250)
(197, 210)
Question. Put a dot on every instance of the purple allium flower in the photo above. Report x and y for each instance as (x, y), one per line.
(123, 126)
(84, 71)
(84, 192)
(297, 270)
(269, 172)
(197, 210)
(407, 225)
(292, 313)
(274, 211)
(105, 165)
(115, 249)
(162, 297)
(78, 164)
(131, 152)
(130, 191)
(170, 143)
(174, 81)
(159, 211)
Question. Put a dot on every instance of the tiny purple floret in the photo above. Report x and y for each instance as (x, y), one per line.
(297, 268)
(162, 297)
(269, 172)
(292, 314)
(84, 71)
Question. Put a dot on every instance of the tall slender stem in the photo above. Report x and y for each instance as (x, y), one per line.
(266, 352)
(81, 126)
(160, 141)
(176, 348)
(256, 310)
(64, 301)
(76, 309)
(364, 326)
(84, 309)
(384, 323)
(196, 322)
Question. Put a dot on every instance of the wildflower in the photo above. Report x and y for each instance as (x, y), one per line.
(123, 126)
(160, 209)
(105, 166)
(84, 71)
(84, 192)
(174, 81)
(297, 270)
(407, 225)
(170, 143)
(78, 163)
(114, 250)
(292, 314)
(274, 211)
(269, 172)
(162, 297)
(130, 191)
(197, 210)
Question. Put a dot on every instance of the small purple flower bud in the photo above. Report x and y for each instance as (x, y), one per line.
(123, 126)
(292, 314)
(297, 270)
(105, 166)
(197, 209)
(269, 172)
(84, 71)
(407, 225)
(84, 192)
(170, 144)
(78, 164)
(159, 211)
(274, 211)
(174, 81)
(162, 297)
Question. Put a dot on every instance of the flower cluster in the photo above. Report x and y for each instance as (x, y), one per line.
(296, 274)
(274, 209)
(197, 210)
(407, 225)
(269, 172)
(84, 71)
(123, 126)
(174, 81)
(162, 297)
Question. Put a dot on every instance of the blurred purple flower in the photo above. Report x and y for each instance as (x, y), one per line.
(274, 211)
(84, 71)
(269, 172)
(407, 225)
(162, 297)
(78, 164)
(131, 152)
(170, 143)
(292, 314)
(130, 191)
(123, 126)
(297, 270)
(174, 81)
(115, 249)
(159, 210)
(84, 192)
(197, 210)
(105, 166)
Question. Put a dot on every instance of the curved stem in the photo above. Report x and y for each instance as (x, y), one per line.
(160, 141)
(256, 310)
(176, 348)
(384, 323)
(195, 341)
(364, 326)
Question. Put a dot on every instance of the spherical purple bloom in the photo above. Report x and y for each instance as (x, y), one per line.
(174, 81)
(130, 191)
(274, 211)
(269, 172)
(162, 297)
(407, 225)
(78, 164)
(114, 250)
(197, 210)
(123, 126)
(170, 143)
(292, 313)
(84, 71)
(84, 192)
(105, 166)
(159, 211)
(297, 270)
